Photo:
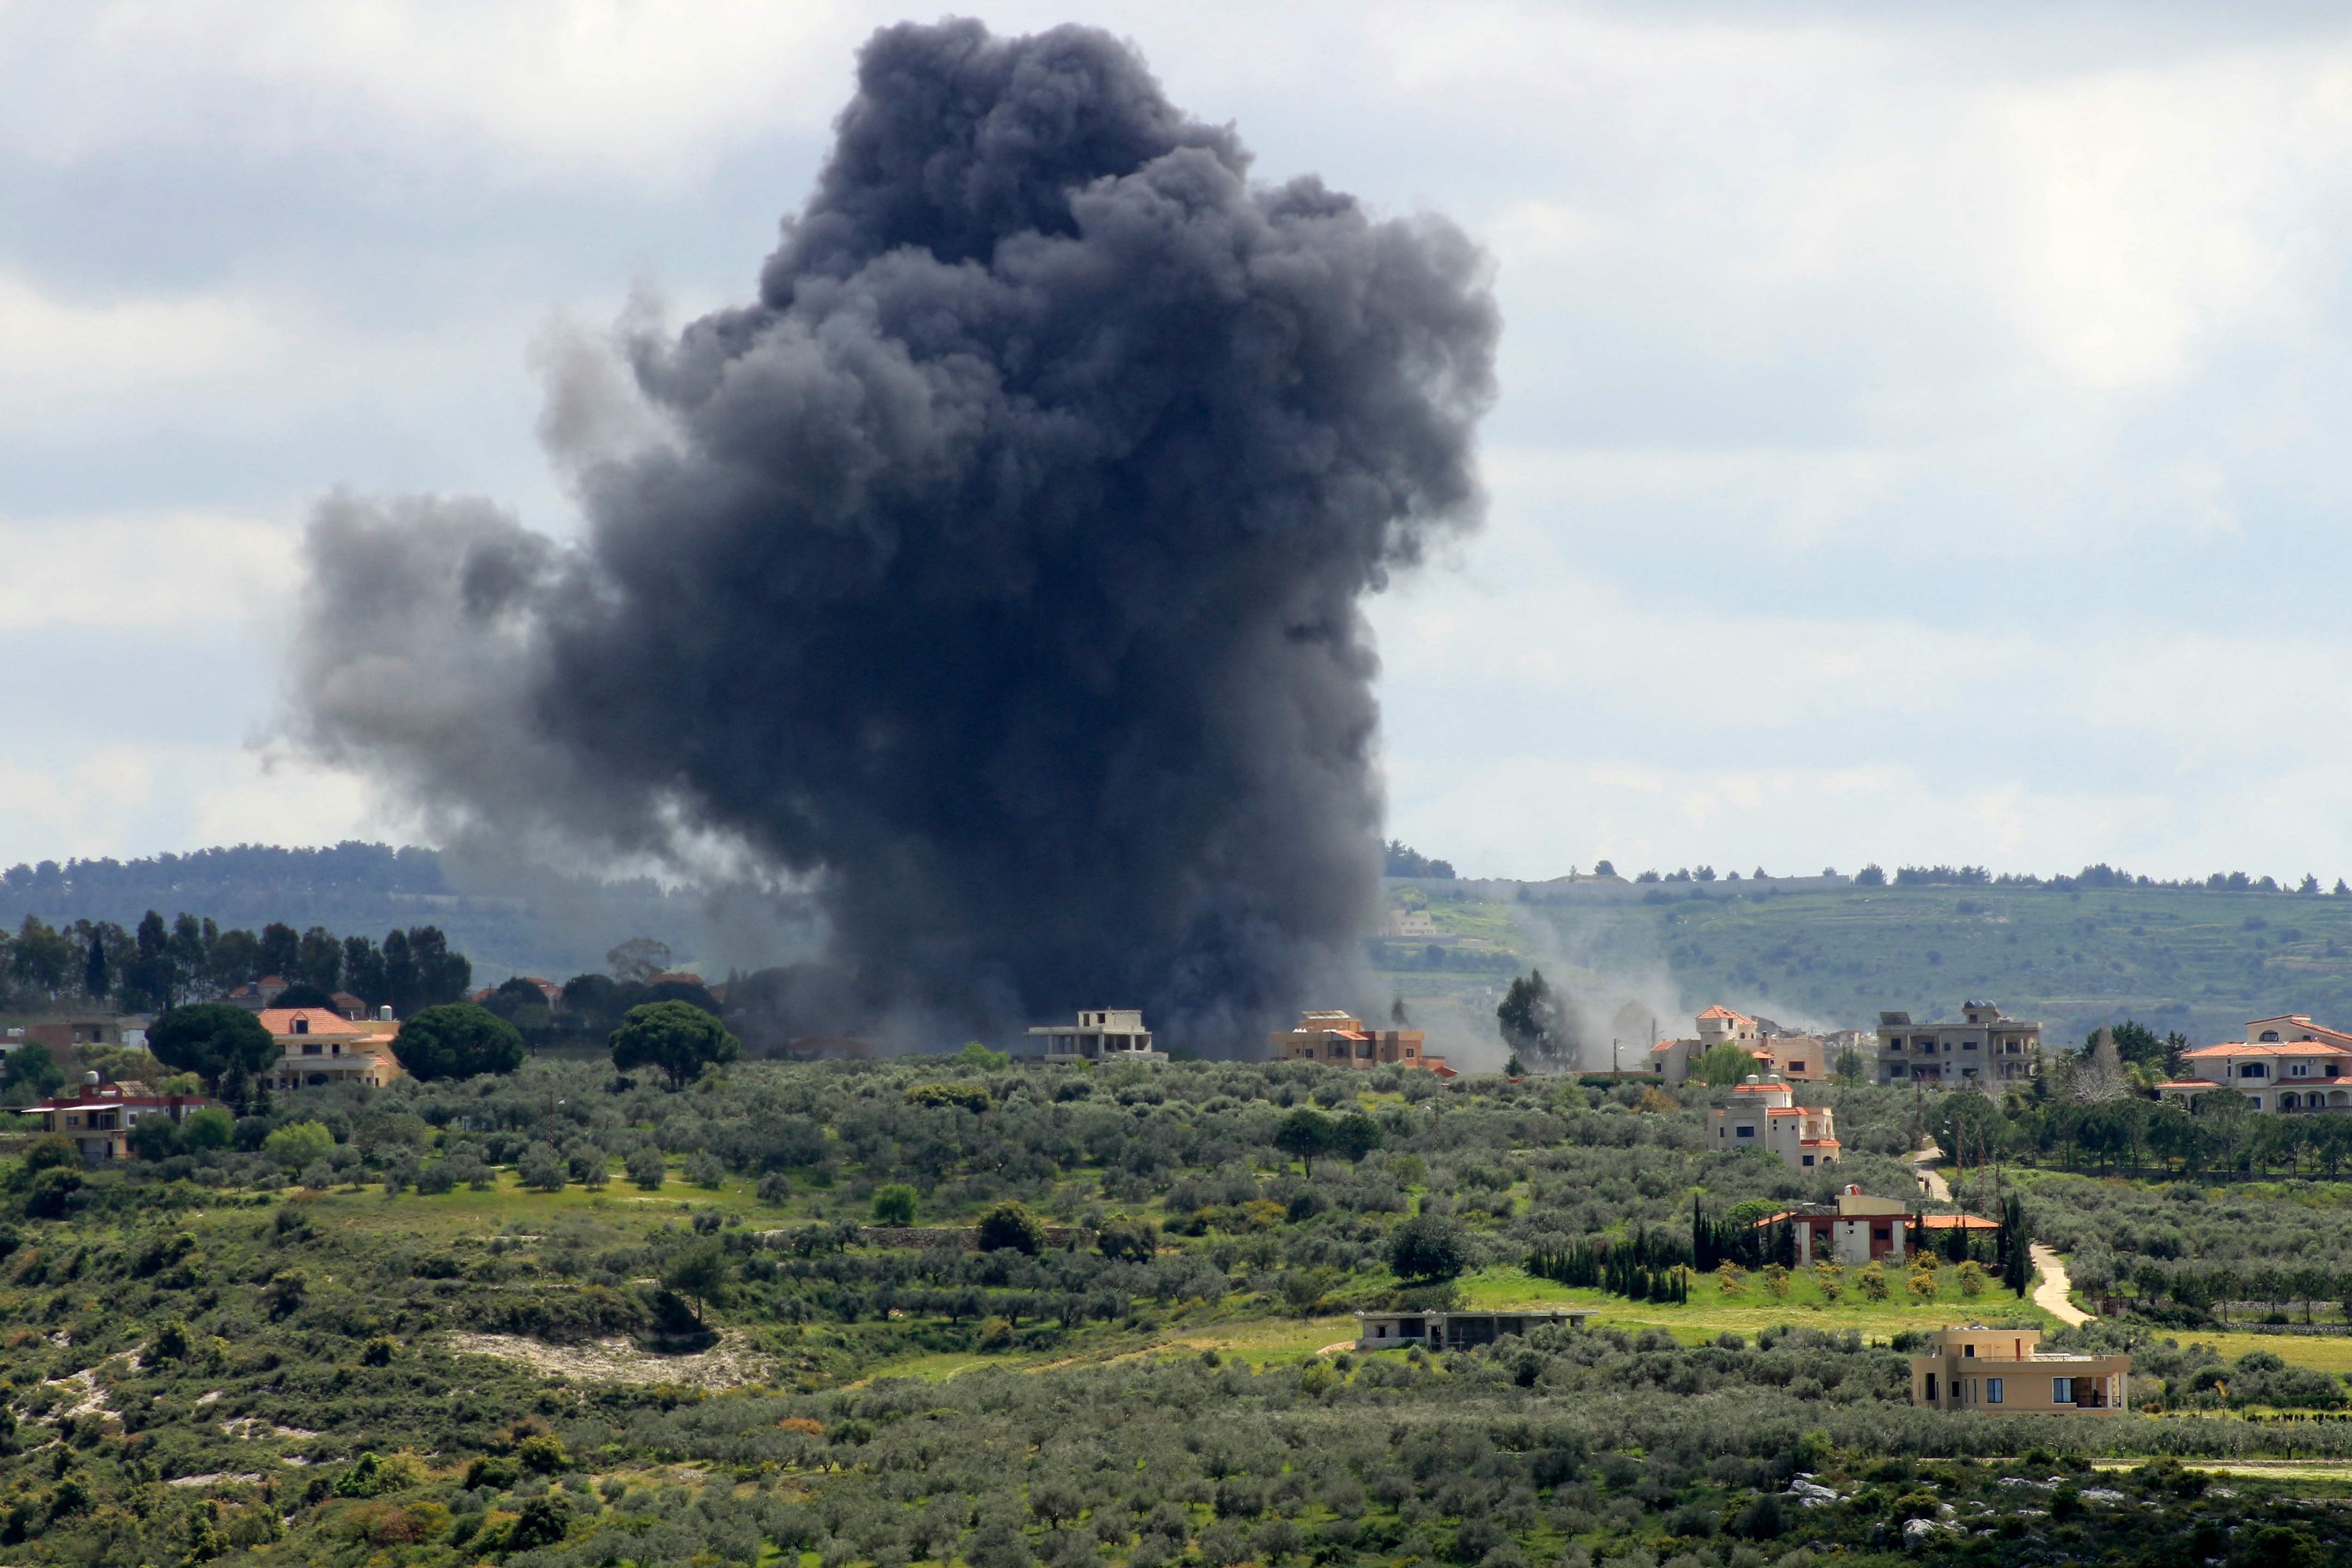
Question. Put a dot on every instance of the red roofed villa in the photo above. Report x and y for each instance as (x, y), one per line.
(2287, 1065)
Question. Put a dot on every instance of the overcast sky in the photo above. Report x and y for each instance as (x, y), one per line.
(1921, 435)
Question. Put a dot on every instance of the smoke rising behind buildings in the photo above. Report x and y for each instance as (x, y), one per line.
(994, 576)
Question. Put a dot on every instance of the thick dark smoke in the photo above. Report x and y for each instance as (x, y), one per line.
(995, 575)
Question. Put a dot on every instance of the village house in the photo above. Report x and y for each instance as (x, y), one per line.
(255, 996)
(99, 1118)
(1452, 1331)
(1857, 1231)
(1340, 1040)
(1983, 1047)
(2287, 1065)
(1109, 1034)
(2003, 1372)
(318, 1046)
(1799, 1057)
(1764, 1114)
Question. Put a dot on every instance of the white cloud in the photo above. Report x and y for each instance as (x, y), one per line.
(131, 798)
(178, 570)
(62, 353)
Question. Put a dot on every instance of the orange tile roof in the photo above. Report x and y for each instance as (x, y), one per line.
(2268, 1047)
(1720, 1011)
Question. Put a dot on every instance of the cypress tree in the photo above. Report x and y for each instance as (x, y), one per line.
(95, 982)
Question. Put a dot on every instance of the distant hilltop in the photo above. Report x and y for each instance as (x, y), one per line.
(557, 925)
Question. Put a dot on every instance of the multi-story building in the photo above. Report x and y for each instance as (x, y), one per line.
(2004, 1372)
(1983, 1047)
(1340, 1040)
(1105, 1034)
(1801, 1058)
(2289, 1065)
(98, 1119)
(318, 1046)
(1763, 1114)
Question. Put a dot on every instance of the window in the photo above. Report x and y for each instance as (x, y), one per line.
(2269, 1037)
(1992, 1390)
(1881, 1233)
(2301, 1070)
(1746, 1131)
(1967, 1350)
(301, 1026)
(1968, 1045)
(1893, 1069)
(1931, 1386)
(2254, 1069)
(1808, 1159)
(1796, 1067)
(2062, 1391)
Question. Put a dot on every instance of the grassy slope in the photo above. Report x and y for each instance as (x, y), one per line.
(2173, 959)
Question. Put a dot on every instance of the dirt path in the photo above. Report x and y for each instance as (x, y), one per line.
(1923, 1163)
(2050, 1294)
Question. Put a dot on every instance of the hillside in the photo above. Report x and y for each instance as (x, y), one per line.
(507, 923)
(559, 1319)
(2196, 960)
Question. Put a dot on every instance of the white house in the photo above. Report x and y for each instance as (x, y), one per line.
(1763, 1114)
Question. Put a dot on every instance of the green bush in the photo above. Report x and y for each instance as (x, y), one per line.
(964, 1097)
(1009, 1226)
(458, 1040)
(299, 1145)
(210, 1128)
(1426, 1247)
(648, 1168)
(894, 1205)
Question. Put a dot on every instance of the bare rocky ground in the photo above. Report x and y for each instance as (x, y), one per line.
(729, 1364)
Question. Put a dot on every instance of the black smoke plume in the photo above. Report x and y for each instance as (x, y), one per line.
(994, 576)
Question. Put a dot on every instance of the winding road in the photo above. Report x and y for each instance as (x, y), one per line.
(1923, 1166)
(2050, 1293)
(2052, 1288)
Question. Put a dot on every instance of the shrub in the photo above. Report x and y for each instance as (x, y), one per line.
(966, 1096)
(372, 1477)
(894, 1205)
(171, 1342)
(1426, 1247)
(50, 1151)
(210, 1128)
(1873, 1280)
(588, 1168)
(52, 1193)
(1010, 1226)
(1972, 1280)
(155, 1138)
(540, 1169)
(435, 1177)
(647, 1167)
(776, 1188)
(299, 1145)
(543, 1453)
(706, 1170)
(1128, 1241)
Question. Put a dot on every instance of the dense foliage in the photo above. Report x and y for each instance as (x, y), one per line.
(304, 1338)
